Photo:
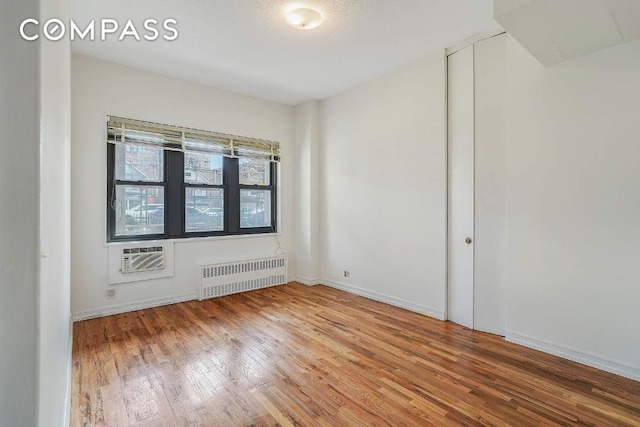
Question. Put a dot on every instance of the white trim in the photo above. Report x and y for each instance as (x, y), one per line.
(473, 40)
(575, 355)
(445, 311)
(124, 308)
(195, 239)
(307, 281)
(397, 302)
(69, 387)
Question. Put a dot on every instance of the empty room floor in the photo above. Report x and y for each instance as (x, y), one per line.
(298, 355)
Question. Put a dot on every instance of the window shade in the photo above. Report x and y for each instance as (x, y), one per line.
(128, 131)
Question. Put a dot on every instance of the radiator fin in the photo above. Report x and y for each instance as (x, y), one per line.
(241, 276)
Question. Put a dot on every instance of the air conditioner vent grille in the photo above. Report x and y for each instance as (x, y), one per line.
(135, 260)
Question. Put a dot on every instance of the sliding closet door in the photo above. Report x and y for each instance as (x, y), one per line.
(477, 186)
(460, 186)
(490, 271)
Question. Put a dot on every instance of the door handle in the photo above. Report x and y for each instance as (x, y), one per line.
(468, 240)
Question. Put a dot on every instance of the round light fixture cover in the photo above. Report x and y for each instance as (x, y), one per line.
(304, 18)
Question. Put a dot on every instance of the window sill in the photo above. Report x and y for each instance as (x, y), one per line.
(195, 239)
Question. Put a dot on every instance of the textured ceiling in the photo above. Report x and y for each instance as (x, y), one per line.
(555, 31)
(246, 45)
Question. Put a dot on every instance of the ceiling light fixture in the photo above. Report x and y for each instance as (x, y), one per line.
(304, 18)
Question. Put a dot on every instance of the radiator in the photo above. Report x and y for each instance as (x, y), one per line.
(240, 276)
(148, 258)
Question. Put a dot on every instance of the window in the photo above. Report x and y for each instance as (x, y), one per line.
(255, 193)
(170, 182)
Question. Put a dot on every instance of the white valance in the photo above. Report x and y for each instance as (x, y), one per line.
(167, 137)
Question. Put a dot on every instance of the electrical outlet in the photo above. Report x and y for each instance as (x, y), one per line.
(347, 273)
(111, 293)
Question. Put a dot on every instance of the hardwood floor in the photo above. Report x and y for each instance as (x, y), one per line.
(297, 355)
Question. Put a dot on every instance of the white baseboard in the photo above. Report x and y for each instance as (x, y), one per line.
(124, 308)
(387, 299)
(575, 355)
(307, 281)
(67, 412)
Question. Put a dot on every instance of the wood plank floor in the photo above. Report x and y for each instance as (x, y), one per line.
(296, 355)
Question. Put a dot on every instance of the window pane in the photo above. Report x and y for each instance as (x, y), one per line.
(203, 168)
(139, 210)
(255, 208)
(204, 209)
(139, 163)
(254, 172)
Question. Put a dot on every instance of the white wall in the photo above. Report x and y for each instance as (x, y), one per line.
(18, 218)
(35, 336)
(307, 137)
(100, 88)
(383, 193)
(54, 308)
(573, 201)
